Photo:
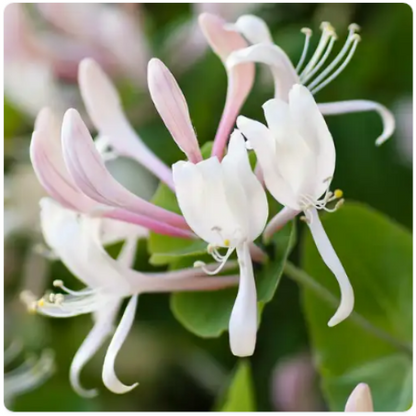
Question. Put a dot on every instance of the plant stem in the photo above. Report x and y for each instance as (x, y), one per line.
(305, 280)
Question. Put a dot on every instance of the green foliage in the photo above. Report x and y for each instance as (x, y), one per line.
(240, 393)
(377, 256)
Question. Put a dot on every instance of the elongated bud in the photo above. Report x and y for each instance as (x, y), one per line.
(172, 108)
(360, 399)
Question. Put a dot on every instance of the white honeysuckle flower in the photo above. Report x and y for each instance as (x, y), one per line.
(315, 74)
(28, 376)
(226, 206)
(360, 399)
(297, 157)
(77, 240)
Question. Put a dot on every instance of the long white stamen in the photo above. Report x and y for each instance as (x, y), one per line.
(327, 31)
(321, 62)
(308, 34)
(82, 292)
(353, 39)
(356, 39)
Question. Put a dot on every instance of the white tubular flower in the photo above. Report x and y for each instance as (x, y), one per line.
(315, 74)
(226, 206)
(360, 399)
(297, 156)
(77, 240)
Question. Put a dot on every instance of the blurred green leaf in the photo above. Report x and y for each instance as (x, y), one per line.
(240, 394)
(377, 256)
(207, 314)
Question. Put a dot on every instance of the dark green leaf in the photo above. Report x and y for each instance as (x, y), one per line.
(377, 256)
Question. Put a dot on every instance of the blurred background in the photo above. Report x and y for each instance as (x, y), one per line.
(175, 369)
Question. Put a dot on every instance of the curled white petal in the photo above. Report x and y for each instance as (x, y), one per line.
(110, 379)
(253, 28)
(331, 259)
(243, 320)
(102, 329)
(357, 106)
(284, 74)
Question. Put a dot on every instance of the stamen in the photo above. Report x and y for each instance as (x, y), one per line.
(327, 31)
(315, 86)
(83, 292)
(322, 61)
(308, 34)
(219, 268)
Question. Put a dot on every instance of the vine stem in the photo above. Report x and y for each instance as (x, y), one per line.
(301, 277)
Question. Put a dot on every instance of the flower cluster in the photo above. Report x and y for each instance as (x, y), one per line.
(222, 198)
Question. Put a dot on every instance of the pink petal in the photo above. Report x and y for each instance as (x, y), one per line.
(49, 166)
(172, 108)
(88, 171)
(104, 108)
(240, 78)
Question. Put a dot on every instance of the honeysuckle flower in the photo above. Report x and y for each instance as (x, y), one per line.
(360, 399)
(227, 207)
(74, 174)
(297, 157)
(240, 78)
(77, 240)
(28, 376)
(104, 108)
(313, 73)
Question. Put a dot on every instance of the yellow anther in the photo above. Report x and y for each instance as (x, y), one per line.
(338, 193)
(227, 243)
(41, 302)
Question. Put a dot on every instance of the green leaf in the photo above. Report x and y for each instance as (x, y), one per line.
(240, 394)
(377, 256)
(206, 314)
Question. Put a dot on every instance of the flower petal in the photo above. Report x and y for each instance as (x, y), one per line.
(253, 28)
(238, 174)
(202, 199)
(92, 177)
(331, 259)
(75, 239)
(172, 108)
(110, 379)
(264, 145)
(104, 108)
(360, 399)
(102, 329)
(312, 128)
(357, 106)
(283, 72)
(243, 320)
(49, 166)
(240, 78)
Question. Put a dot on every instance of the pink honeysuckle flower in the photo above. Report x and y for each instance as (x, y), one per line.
(240, 78)
(313, 74)
(77, 240)
(104, 108)
(62, 182)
